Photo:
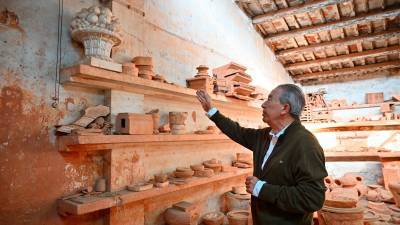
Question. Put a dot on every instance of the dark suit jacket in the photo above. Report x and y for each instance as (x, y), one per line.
(294, 172)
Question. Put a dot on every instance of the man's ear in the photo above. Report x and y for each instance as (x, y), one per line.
(285, 109)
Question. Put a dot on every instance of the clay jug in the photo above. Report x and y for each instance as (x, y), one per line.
(177, 118)
(349, 180)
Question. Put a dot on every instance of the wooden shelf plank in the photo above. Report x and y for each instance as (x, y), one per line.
(361, 156)
(89, 76)
(354, 126)
(80, 143)
(360, 106)
(70, 207)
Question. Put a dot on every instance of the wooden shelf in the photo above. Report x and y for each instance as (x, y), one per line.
(89, 76)
(360, 106)
(79, 143)
(109, 200)
(361, 156)
(354, 126)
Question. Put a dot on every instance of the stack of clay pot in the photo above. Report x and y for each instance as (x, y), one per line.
(239, 217)
(243, 160)
(200, 171)
(238, 198)
(349, 185)
(181, 213)
(145, 66)
(213, 164)
(201, 81)
(341, 202)
(213, 218)
(233, 81)
(183, 172)
(177, 122)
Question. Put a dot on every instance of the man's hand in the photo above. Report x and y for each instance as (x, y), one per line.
(251, 183)
(204, 99)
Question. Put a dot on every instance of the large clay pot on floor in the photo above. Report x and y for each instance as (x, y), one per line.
(395, 190)
(178, 216)
(238, 217)
(341, 216)
(237, 201)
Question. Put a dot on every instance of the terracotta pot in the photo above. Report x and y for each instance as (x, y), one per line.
(143, 60)
(173, 216)
(213, 218)
(361, 189)
(177, 118)
(156, 122)
(206, 172)
(160, 178)
(237, 201)
(184, 174)
(395, 190)
(340, 216)
(183, 169)
(349, 180)
(330, 182)
(379, 208)
(238, 217)
(197, 167)
(100, 185)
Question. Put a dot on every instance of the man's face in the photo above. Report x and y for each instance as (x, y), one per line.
(272, 108)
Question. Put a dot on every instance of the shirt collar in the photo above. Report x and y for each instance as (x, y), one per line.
(280, 132)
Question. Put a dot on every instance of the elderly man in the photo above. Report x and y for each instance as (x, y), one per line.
(289, 165)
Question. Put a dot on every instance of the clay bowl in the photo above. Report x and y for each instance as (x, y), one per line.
(238, 217)
(204, 173)
(197, 167)
(184, 174)
(213, 218)
(183, 169)
(142, 60)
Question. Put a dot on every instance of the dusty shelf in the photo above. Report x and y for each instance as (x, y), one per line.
(360, 106)
(354, 126)
(76, 143)
(89, 76)
(123, 197)
(361, 156)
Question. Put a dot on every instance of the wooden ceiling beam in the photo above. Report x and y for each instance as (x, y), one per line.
(341, 42)
(362, 18)
(303, 8)
(356, 69)
(352, 77)
(341, 58)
